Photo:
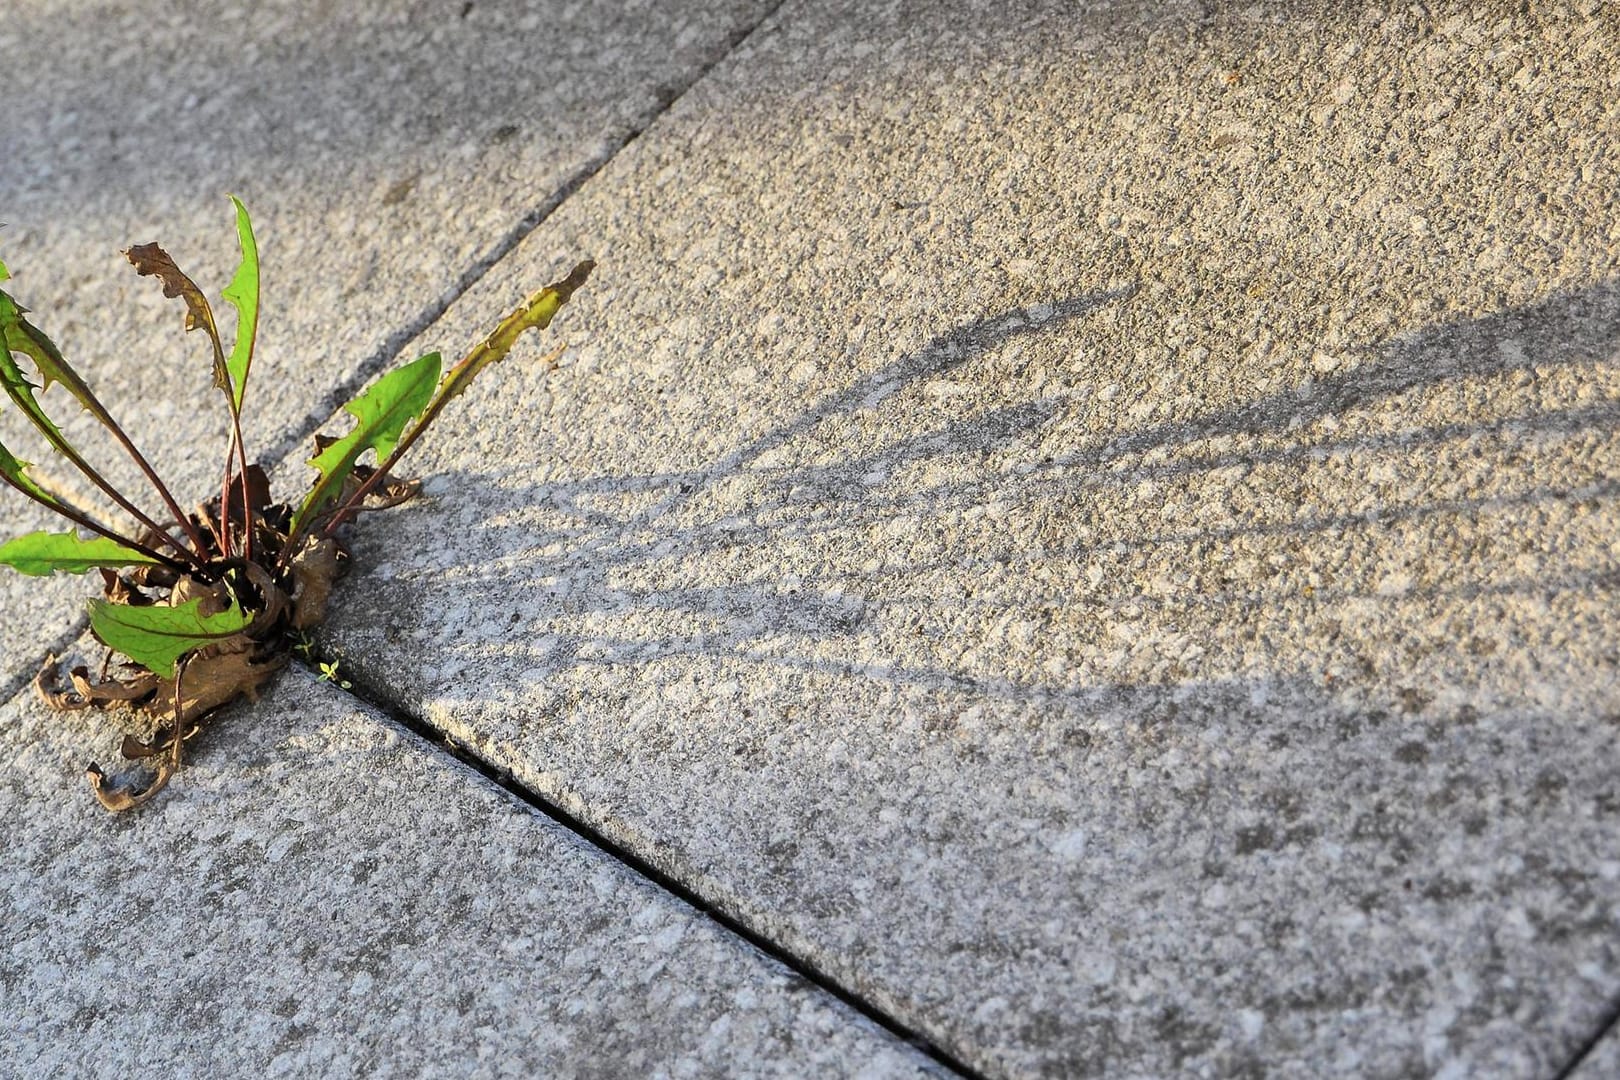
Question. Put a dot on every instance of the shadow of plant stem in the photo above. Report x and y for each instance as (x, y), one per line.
(590, 554)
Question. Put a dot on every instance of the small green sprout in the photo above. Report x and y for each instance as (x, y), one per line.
(329, 673)
(206, 605)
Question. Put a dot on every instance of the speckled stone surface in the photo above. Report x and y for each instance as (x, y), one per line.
(1095, 524)
(319, 895)
(36, 614)
(386, 153)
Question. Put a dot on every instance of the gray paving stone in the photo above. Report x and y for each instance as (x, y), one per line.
(1094, 525)
(320, 895)
(38, 613)
(384, 153)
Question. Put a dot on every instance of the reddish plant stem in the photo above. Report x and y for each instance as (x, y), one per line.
(84, 521)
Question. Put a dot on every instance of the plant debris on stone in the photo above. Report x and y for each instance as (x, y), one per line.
(199, 608)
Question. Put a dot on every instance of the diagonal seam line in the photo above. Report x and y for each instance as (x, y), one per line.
(502, 778)
(531, 220)
(1609, 1021)
(279, 451)
(391, 348)
(283, 448)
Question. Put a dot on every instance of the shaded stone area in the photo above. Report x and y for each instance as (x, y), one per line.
(388, 158)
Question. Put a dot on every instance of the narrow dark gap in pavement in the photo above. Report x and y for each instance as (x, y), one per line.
(533, 219)
(1610, 1020)
(806, 969)
(503, 778)
(436, 739)
(12, 683)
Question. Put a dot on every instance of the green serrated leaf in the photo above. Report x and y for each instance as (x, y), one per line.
(11, 468)
(15, 330)
(22, 394)
(156, 637)
(24, 337)
(381, 414)
(243, 294)
(5, 275)
(39, 554)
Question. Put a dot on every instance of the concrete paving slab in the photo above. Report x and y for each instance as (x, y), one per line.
(39, 614)
(319, 894)
(1095, 525)
(387, 156)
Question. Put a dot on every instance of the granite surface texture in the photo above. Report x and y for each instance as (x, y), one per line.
(1603, 1060)
(1096, 525)
(388, 156)
(327, 895)
(1093, 527)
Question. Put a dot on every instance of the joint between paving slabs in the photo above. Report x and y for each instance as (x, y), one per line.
(392, 346)
(436, 739)
(284, 448)
(1605, 1026)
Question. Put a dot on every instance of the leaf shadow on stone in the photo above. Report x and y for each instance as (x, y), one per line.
(1250, 769)
(595, 546)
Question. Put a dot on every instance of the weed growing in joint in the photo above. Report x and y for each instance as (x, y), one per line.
(204, 606)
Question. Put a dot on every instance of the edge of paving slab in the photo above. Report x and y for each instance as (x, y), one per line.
(425, 317)
(17, 667)
(239, 836)
(1599, 1057)
(620, 852)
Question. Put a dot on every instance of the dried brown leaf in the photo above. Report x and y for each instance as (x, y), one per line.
(152, 577)
(214, 677)
(215, 597)
(48, 685)
(119, 799)
(389, 491)
(258, 489)
(109, 692)
(124, 590)
(161, 741)
(314, 570)
(134, 748)
(151, 260)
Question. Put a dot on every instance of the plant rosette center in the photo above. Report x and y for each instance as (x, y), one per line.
(204, 607)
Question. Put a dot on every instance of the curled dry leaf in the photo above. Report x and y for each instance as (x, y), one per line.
(235, 665)
(279, 603)
(151, 260)
(118, 799)
(314, 570)
(138, 687)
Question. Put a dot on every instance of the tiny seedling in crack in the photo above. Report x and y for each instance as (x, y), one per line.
(202, 607)
(330, 673)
